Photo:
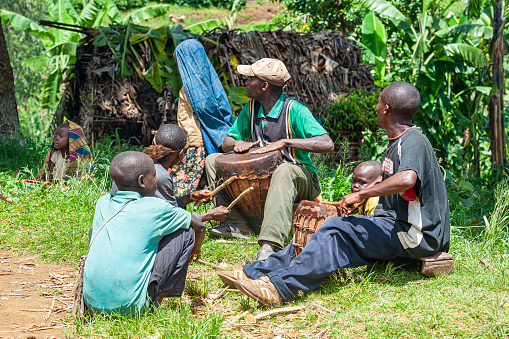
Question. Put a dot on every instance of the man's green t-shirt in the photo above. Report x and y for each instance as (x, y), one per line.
(302, 123)
(122, 255)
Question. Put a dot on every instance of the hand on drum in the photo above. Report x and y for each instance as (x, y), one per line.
(242, 146)
(350, 203)
(202, 194)
(219, 213)
(271, 146)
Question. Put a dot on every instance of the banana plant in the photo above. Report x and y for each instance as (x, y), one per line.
(374, 41)
(61, 45)
(421, 38)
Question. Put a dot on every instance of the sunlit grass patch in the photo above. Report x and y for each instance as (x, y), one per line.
(171, 320)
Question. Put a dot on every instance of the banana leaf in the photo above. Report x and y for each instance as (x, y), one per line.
(471, 30)
(51, 88)
(467, 53)
(145, 13)
(19, 21)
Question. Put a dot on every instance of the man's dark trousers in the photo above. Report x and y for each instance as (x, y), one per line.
(341, 242)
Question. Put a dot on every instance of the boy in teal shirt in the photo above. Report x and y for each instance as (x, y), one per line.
(140, 245)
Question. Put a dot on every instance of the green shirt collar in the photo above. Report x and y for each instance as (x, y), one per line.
(128, 195)
(275, 111)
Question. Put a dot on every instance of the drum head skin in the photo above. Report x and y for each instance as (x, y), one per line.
(232, 163)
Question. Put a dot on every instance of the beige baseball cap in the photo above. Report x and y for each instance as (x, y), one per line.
(271, 70)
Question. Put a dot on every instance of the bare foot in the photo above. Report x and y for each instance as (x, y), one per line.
(245, 229)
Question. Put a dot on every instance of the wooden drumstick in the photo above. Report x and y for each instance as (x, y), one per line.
(239, 197)
(217, 190)
(332, 203)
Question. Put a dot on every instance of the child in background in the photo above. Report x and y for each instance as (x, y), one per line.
(69, 155)
(365, 175)
(169, 145)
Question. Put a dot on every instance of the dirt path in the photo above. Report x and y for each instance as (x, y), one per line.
(35, 298)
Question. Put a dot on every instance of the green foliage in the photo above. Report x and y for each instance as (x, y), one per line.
(374, 40)
(160, 44)
(125, 5)
(60, 44)
(444, 56)
(497, 229)
(207, 3)
(336, 183)
(352, 114)
(27, 80)
(321, 15)
(374, 145)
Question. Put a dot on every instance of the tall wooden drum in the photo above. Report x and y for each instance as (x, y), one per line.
(252, 170)
(309, 216)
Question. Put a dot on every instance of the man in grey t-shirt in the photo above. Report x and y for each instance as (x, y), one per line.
(411, 219)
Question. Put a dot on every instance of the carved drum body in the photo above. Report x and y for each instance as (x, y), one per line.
(252, 170)
(309, 216)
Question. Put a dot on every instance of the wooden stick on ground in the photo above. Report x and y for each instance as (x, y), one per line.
(217, 190)
(240, 316)
(209, 264)
(34, 309)
(50, 309)
(251, 319)
(241, 195)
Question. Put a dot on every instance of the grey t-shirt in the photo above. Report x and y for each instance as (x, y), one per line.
(164, 189)
(422, 212)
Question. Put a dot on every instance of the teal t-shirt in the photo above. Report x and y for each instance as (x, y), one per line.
(302, 124)
(122, 255)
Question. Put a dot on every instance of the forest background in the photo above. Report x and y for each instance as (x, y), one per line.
(444, 48)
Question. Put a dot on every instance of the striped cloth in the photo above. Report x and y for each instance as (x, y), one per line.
(205, 93)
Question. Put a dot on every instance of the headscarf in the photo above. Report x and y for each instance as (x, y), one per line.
(80, 160)
(205, 93)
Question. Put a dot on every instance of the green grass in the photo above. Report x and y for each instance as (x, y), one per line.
(381, 301)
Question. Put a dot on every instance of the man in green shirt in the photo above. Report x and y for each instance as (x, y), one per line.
(274, 122)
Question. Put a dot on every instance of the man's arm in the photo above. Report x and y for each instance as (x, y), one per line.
(397, 183)
(319, 144)
(199, 232)
(230, 144)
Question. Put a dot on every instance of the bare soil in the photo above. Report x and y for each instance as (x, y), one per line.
(253, 12)
(35, 298)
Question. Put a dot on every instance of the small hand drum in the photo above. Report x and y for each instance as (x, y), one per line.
(252, 170)
(309, 216)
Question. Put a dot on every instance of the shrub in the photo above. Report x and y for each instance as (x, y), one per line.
(128, 4)
(351, 115)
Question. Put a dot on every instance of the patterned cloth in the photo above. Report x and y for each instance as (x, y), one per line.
(188, 172)
(79, 161)
(205, 93)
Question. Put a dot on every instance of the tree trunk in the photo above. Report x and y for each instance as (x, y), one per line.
(9, 122)
(497, 132)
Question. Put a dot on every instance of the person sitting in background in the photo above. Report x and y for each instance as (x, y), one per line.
(169, 144)
(142, 254)
(365, 175)
(68, 156)
(203, 111)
